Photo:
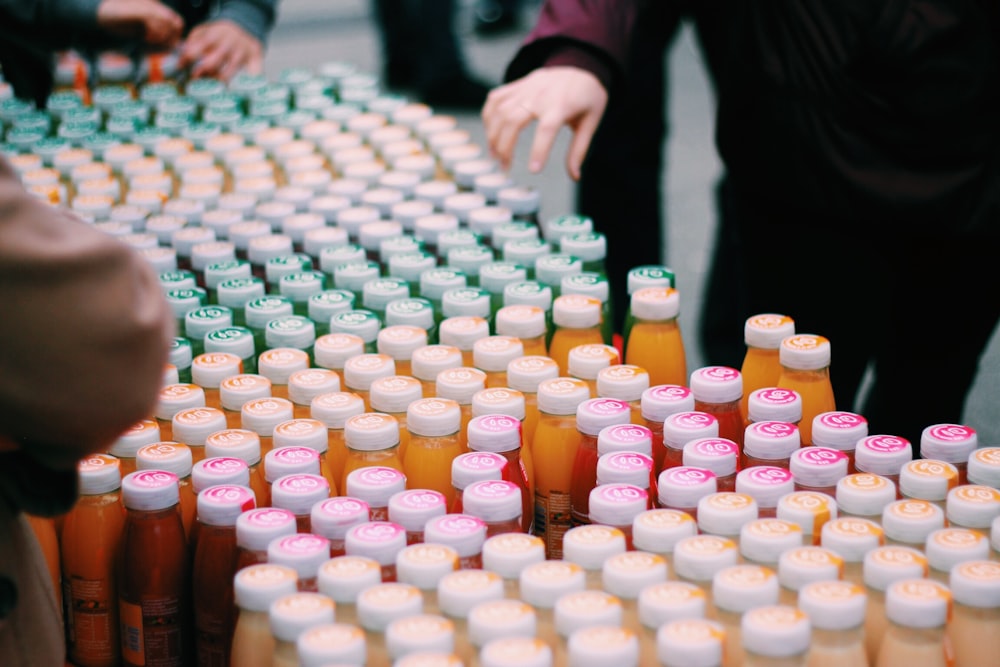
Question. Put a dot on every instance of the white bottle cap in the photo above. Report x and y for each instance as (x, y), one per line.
(305, 385)
(412, 509)
(764, 540)
(617, 504)
(927, 479)
(602, 645)
(984, 467)
(278, 363)
(150, 490)
(627, 574)
(237, 292)
(172, 457)
(494, 433)
(384, 603)
(527, 373)
(587, 361)
(415, 312)
(810, 510)
(516, 652)
(884, 565)
(98, 474)
(716, 384)
(493, 500)
(499, 401)
(261, 415)
(378, 540)
(655, 303)
(421, 634)
(838, 430)
(948, 547)
(461, 591)
(460, 384)
(774, 404)
(918, 603)
(716, 454)
(371, 431)
(375, 484)
(576, 312)
(911, 521)
(255, 587)
(692, 642)
(948, 442)
(498, 619)
(315, 241)
(465, 302)
(237, 390)
(377, 293)
(256, 528)
(670, 601)
(586, 609)
(303, 552)
(852, 537)
(740, 588)
(818, 467)
(542, 584)
(508, 554)
(833, 605)
(476, 467)
(882, 454)
(394, 394)
(698, 558)
(176, 397)
(864, 494)
(290, 460)
(333, 643)
(976, 584)
(683, 486)
(297, 493)
(521, 321)
(562, 396)
(765, 484)
(333, 517)
(528, 293)
(463, 331)
(620, 438)
(659, 530)
(433, 417)
(622, 381)
(590, 545)
(429, 361)
(463, 532)
(680, 428)
(336, 407)
(725, 513)
(423, 565)
(362, 323)
(973, 506)
(291, 615)
(766, 331)
(400, 341)
(302, 433)
(631, 468)
(776, 632)
(802, 565)
(804, 352)
(343, 578)
(595, 414)
(661, 401)
(262, 249)
(493, 353)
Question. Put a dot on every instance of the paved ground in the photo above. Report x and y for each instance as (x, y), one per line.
(313, 31)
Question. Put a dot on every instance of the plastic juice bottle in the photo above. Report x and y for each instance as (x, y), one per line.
(717, 391)
(681, 488)
(255, 588)
(761, 365)
(297, 493)
(953, 443)
(412, 312)
(841, 431)
(592, 416)
(688, 642)
(305, 385)
(400, 341)
(526, 323)
(290, 616)
(525, 375)
(392, 395)
(947, 547)
(433, 426)
(625, 438)
(262, 415)
(460, 592)
(463, 332)
(289, 461)
(334, 409)
(492, 354)
(379, 541)
(975, 587)
(379, 606)
(515, 652)
(763, 541)
(802, 565)
(766, 485)
(626, 575)
(332, 643)
(193, 426)
(362, 323)
(836, 610)
(616, 505)
(174, 398)
(237, 390)
(464, 533)
(343, 578)
(412, 510)
(865, 495)
(682, 427)
(805, 368)
(500, 434)
(332, 350)
(154, 580)
(243, 445)
(304, 553)
(698, 558)
(378, 292)
(720, 455)
(308, 434)
(498, 503)
(474, 467)
(882, 567)
(419, 635)
(659, 530)
(918, 611)
(928, 479)
(809, 510)
(508, 554)
(375, 485)
(428, 362)
(499, 619)
(641, 277)
(725, 513)
(333, 517)
(577, 321)
(531, 293)
(584, 362)
(883, 455)
(625, 383)
(656, 404)
(89, 544)
(175, 458)
(209, 369)
(224, 470)
(145, 432)
(984, 467)
(278, 363)
(460, 385)
(590, 546)
(973, 506)
(466, 302)
(360, 371)
(776, 636)
(910, 522)
(852, 538)
(256, 528)
(654, 340)
(818, 469)
(630, 468)
(372, 439)
(510, 403)
(424, 565)
(574, 612)
(736, 590)
(774, 404)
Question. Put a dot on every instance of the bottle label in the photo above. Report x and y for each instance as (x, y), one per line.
(152, 633)
(553, 518)
(821, 456)
(605, 407)
(716, 447)
(952, 432)
(691, 421)
(778, 396)
(669, 393)
(419, 499)
(300, 484)
(621, 494)
(769, 476)
(270, 517)
(88, 618)
(842, 420)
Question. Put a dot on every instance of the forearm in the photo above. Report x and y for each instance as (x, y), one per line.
(255, 16)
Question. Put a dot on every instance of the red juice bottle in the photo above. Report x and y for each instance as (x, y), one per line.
(774, 404)
(298, 493)
(333, 517)
(500, 434)
(592, 416)
(498, 503)
(374, 485)
(256, 528)
(617, 505)
(658, 403)
(625, 468)
(412, 509)
(718, 390)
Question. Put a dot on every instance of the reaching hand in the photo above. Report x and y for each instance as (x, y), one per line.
(150, 19)
(554, 96)
(221, 49)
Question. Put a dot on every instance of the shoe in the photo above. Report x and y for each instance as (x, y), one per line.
(461, 93)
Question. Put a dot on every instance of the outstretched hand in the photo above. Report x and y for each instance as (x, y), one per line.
(151, 20)
(554, 96)
(220, 49)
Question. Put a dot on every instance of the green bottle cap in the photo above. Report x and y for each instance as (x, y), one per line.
(219, 272)
(290, 331)
(176, 280)
(299, 287)
(261, 310)
(183, 300)
(105, 97)
(174, 122)
(551, 269)
(586, 283)
(131, 109)
(203, 90)
(328, 303)
(235, 340)
(24, 137)
(154, 93)
(528, 293)
(13, 107)
(61, 102)
(200, 321)
(565, 225)
(361, 323)
(588, 246)
(180, 354)
(466, 302)
(650, 275)
(470, 259)
(34, 120)
(496, 275)
(177, 104)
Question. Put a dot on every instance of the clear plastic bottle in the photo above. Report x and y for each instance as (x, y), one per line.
(766, 485)
(698, 558)
(883, 455)
(682, 427)
(500, 434)
(659, 530)
(918, 611)
(627, 575)
(763, 541)
(424, 565)
(378, 607)
(776, 636)
(949, 442)
(667, 602)
(761, 365)
(725, 513)
(297, 493)
(947, 547)
(852, 538)
(882, 567)
(419, 635)
(256, 528)
(464, 533)
(928, 479)
(412, 510)
(836, 610)
(681, 488)
(333, 517)
(809, 510)
(818, 469)
(805, 368)
(255, 588)
(802, 565)
(333, 642)
(910, 522)
(841, 431)
(542, 584)
(498, 619)
(590, 546)
(508, 554)
(290, 616)
(718, 391)
(864, 495)
(736, 590)
(691, 642)
(657, 403)
(975, 588)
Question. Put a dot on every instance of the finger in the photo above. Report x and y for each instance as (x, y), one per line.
(162, 25)
(255, 65)
(580, 144)
(240, 60)
(545, 136)
(499, 104)
(194, 47)
(210, 62)
(515, 118)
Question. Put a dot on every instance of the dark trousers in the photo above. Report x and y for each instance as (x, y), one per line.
(418, 40)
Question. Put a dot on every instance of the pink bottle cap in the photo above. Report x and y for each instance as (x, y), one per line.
(948, 442)
(257, 527)
(378, 540)
(882, 454)
(818, 467)
(219, 470)
(221, 505)
(716, 384)
(617, 504)
(299, 492)
(684, 486)
(625, 468)
(774, 404)
(412, 509)
(597, 413)
(494, 433)
(476, 467)
(716, 454)
(662, 400)
(290, 461)
(333, 517)
(765, 483)
(493, 501)
(303, 552)
(771, 440)
(838, 430)
(375, 484)
(625, 438)
(462, 532)
(682, 427)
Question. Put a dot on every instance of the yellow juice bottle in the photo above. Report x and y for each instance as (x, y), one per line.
(585, 362)
(237, 390)
(761, 366)
(802, 565)
(527, 323)
(433, 425)
(393, 395)
(492, 354)
(524, 375)
(776, 636)
(654, 341)
(305, 385)
(429, 361)
(334, 409)
(852, 538)
(193, 426)
(372, 439)
(805, 368)
(577, 321)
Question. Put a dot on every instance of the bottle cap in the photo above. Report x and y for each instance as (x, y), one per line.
(764, 540)
(416, 312)
(197, 324)
(927, 479)
(542, 584)
(256, 528)
(433, 417)
(492, 354)
(864, 494)
(256, 586)
(176, 397)
(766, 331)
(622, 381)
(661, 401)
(911, 521)
(412, 509)
(333, 517)
(716, 454)
(98, 474)
(236, 391)
(494, 433)
(852, 537)
(237, 341)
(586, 361)
(948, 442)
(400, 341)
(172, 457)
(261, 415)
(493, 501)
(466, 302)
(333, 350)
(740, 588)
(362, 323)
(833, 605)
(810, 510)
(716, 384)
(521, 321)
(298, 492)
(774, 404)
(473, 467)
(984, 467)
(947, 547)
(460, 592)
(680, 428)
(278, 364)
(411, 265)
(973, 506)
(496, 276)
(221, 505)
(290, 460)
(683, 487)
(462, 331)
(218, 470)
(626, 467)
(725, 513)
(379, 292)
(884, 565)
(315, 241)
(802, 565)
(659, 530)
(562, 396)
(594, 414)
(300, 286)
(307, 384)
(527, 373)
(393, 394)
(516, 652)
(976, 584)
(838, 430)
(336, 407)
(765, 484)
(576, 312)
(499, 619)
(193, 425)
(776, 631)
(918, 603)
(237, 292)
(429, 361)
(237, 443)
(698, 558)
(818, 467)
(333, 643)
(420, 634)
(423, 565)
(375, 484)
(303, 552)
(617, 504)
(804, 352)
(150, 490)
(586, 609)
(499, 400)
(508, 554)
(378, 540)
(692, 642)
(670, 601)
(371, 431)
(291, 615)
(343, 578)
(590, 545)
(531, 293)
(626, 575)
(460, 384)
(882, 454)
(624, 438)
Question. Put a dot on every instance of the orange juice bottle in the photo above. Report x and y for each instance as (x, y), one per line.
(309, 434)
(761, 366)
(766, 485)
(193, 425)
(375, 485)
(332, 350)
(221, 470)
(690, 641)
(527, 323)
(585, 362)
(211, 368)
(736, 590)
(333, 517)
(510, 403)
(236, 390)
(423, 566)
(304, 552)
(255, 587)
(175, 458)
(953, 443)
(89, 544)
(342, 579)
(657, 531)
(360, 371)
(392, 395)
(577, 321)
(278, 364)
(433, 425)
(626, 383)
(243, 445)
(802, 565)
(769, 443)
(500, 434)
(773, 404)
(429, 361)
(717, 391)
(974, 586)
(882, 567)
(379, 541)
(463, 332)
(654, 341)
(681, 488)
(291, 616)
(173, 399)
(413, 508)
(818, 469)
(524, 375)
(460, 385)
(775, 636)
(256, 528)
(372, 439)
(145, 432)
(400, 341)
(883, 455)
(262, 415)
(656, 404)
(865, 495)
(592, 416)
(492, 354)
(810, 510)
(719, 455)
(305, 385)
(681, 428)
(805, 368)
(458, 594)
(918, 611)
(852, 538)
(841, 431)
(334, 409)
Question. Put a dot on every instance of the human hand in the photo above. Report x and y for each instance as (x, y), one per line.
(221, 49)
(155, 22)
(554, 96)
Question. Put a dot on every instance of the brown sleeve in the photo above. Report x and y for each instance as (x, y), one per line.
(84, 331)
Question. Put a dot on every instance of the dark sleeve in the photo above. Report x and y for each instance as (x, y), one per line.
(254, 16)
(78, 14)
